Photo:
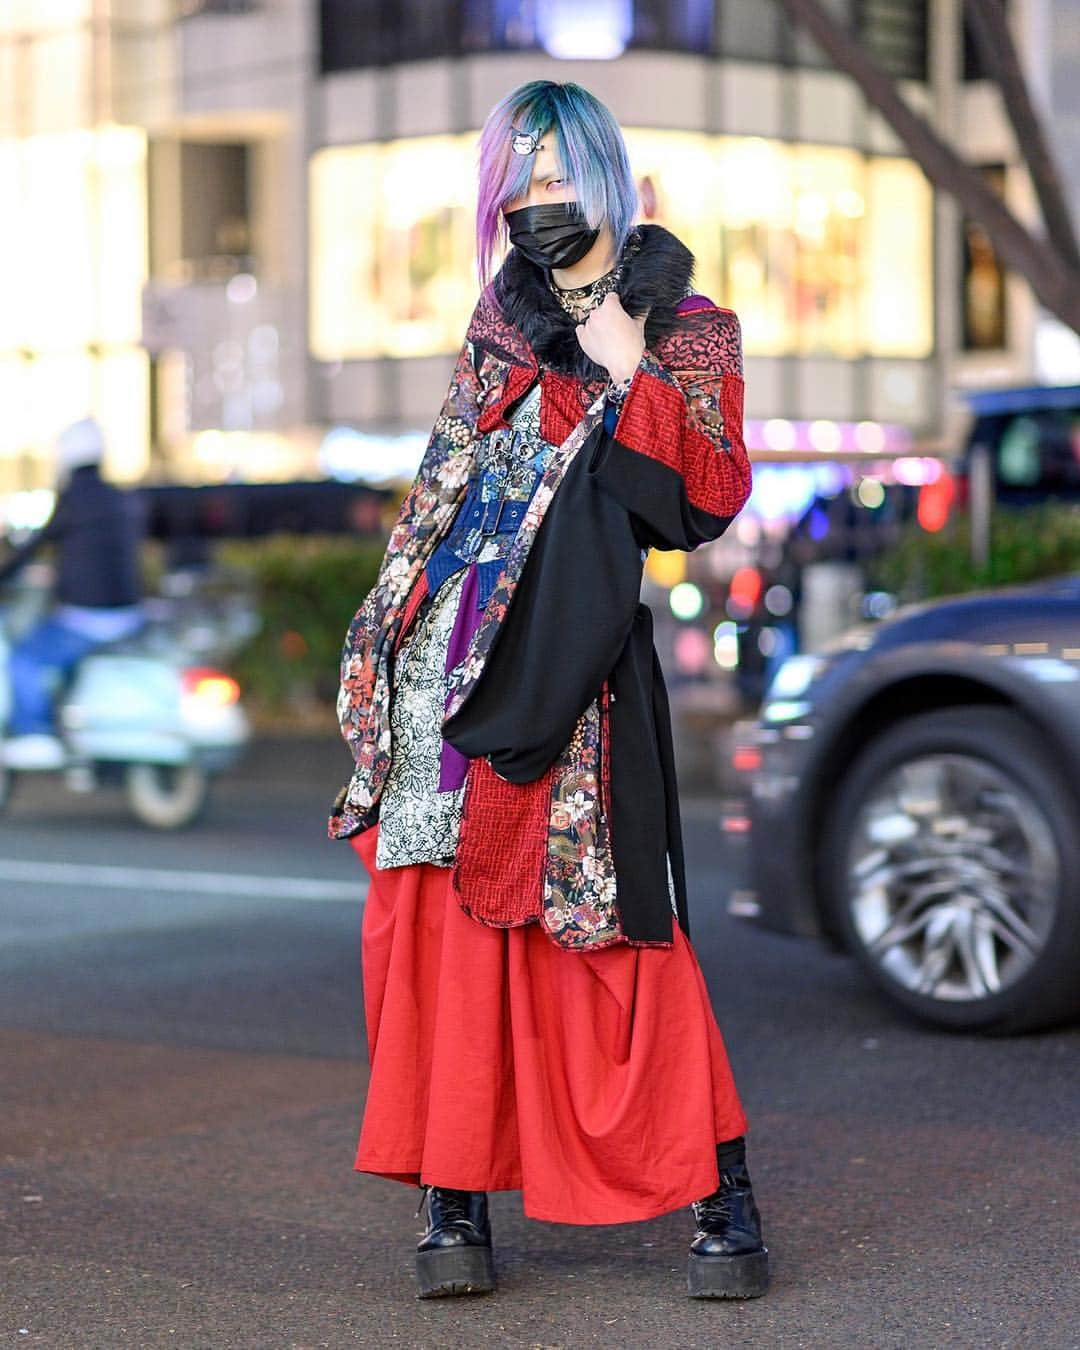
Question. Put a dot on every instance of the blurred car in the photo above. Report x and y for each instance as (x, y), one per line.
(912, 794)
(1032, 435)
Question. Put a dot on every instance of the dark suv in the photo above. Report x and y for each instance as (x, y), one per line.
(912, 793)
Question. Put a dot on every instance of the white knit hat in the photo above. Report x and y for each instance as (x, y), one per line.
(81, 443)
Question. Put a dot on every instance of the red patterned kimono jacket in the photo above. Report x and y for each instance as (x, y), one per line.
(570, 813)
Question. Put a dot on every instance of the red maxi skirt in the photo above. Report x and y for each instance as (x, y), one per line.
(596, 1083)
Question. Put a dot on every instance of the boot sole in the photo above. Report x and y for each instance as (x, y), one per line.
(452, 1271)
(728, 1276)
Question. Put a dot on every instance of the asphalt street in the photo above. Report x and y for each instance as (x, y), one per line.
(182, 1075)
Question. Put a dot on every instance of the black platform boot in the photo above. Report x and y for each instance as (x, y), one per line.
(728, 1258)
(454, 1255)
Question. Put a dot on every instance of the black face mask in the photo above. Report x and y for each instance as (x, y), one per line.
(550, 235)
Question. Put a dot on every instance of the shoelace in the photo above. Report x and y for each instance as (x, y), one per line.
(718, 1206)
(455, 1203)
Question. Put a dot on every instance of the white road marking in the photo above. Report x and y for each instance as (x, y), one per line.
(178, 882)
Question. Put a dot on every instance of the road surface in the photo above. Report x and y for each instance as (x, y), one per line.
(182, 1076)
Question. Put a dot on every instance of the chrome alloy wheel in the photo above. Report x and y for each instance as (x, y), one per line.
(952, 877)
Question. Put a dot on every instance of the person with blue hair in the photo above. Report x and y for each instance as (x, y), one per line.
(536, 1015)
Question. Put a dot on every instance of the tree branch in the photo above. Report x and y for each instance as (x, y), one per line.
(1056, 284)
(993, 37)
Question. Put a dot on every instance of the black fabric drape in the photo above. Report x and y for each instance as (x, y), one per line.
(567, 624)
(575, 621)
(655, 495)
(645, 825)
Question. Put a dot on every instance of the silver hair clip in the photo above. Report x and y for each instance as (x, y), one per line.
(524, 142)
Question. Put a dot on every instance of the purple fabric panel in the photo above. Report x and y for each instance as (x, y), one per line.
(452, 763)
(693, 302)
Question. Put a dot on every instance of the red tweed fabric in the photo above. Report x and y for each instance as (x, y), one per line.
(416, 598)
(562, 406)
(502, 847)
(732, 390)
(654, 422)
(518, 379)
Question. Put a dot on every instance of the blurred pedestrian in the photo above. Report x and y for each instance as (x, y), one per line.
(536, 1015)
(95, 529)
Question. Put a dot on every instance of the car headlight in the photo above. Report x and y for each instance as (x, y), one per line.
(785, 700)
(795, 677)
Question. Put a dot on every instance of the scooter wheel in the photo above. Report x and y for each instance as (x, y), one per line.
(166, 796)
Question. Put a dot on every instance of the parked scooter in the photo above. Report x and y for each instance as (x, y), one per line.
(146, 714)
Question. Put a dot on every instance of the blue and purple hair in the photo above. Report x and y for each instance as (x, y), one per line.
(590, 150)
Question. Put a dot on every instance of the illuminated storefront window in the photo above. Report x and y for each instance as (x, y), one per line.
(898, 309)
(72, 265)
(820, 249)
(391, 240)
(46, 55)
(73, 247)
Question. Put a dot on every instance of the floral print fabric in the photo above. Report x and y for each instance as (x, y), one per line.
(417, 822)
(470, 670)
(509, 462)
(579, 883)
(429, 507)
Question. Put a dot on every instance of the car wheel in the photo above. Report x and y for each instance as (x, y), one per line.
(951, 865)
(165, 796)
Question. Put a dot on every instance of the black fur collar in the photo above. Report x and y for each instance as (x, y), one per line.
(654, 281)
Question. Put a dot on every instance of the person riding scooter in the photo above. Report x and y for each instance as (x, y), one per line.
(96, 531)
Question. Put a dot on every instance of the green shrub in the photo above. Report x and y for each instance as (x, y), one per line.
(1026, 544)
(308, 588)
